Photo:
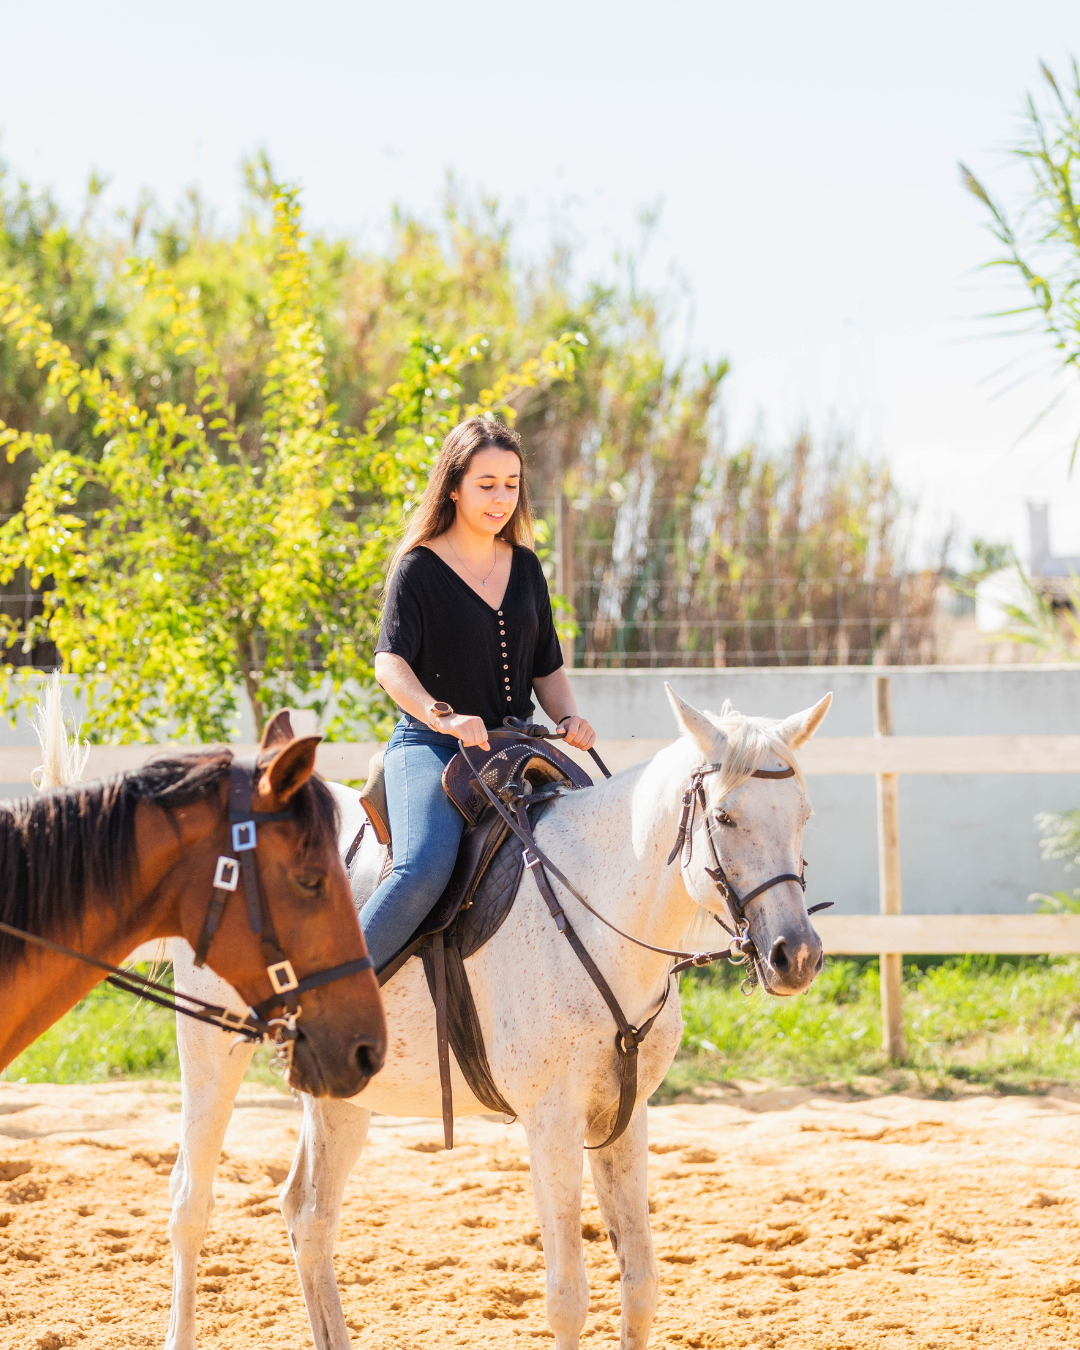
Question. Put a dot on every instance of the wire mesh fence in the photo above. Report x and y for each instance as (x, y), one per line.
(682, 592)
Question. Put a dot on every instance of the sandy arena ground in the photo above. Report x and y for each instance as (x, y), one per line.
(781, 1219)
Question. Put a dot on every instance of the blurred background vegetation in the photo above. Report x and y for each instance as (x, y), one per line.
(665, 544)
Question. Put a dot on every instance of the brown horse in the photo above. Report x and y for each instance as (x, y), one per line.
(106, 866)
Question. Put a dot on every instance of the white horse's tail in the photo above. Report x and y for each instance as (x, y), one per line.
(65, 764)
(65, 757)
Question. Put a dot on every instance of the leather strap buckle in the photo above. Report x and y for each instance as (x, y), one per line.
(282, 977)
(226, 874)
(243, 836)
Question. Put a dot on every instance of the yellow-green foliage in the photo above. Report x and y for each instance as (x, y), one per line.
(193, 554)
(288, 393)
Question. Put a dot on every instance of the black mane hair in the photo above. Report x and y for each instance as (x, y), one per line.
(62, 845)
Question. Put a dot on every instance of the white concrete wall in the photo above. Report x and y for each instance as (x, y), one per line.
(968, 842)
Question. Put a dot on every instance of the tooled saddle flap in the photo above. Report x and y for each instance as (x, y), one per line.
(512, 761)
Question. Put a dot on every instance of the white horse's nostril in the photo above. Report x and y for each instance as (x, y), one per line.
(779, 958)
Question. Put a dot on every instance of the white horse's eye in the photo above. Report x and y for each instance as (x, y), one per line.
(722, 818)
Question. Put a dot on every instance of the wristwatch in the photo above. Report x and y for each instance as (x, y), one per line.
(438, 709)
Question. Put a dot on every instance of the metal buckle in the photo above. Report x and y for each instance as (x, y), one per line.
(226, 874)
(529, 862)
(282, 977)
(243, 836)
(234, 1021)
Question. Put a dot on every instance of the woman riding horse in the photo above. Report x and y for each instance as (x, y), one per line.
(467, 638)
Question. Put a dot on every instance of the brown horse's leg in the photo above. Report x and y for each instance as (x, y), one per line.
(331, 1139)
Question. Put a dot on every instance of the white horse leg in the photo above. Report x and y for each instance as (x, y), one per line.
(331, 1138)
(620, 1176)
(556, 1139)
(210, 1077)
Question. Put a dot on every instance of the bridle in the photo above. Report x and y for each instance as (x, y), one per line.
(238, 865)
(742, 950)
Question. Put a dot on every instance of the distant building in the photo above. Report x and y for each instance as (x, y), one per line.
(1047, 571)
(1044, 565)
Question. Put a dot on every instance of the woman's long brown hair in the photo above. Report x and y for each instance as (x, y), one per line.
(435, 511)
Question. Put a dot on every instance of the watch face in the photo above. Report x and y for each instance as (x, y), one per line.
(441, 709)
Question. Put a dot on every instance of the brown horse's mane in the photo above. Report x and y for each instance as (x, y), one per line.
(58, 848)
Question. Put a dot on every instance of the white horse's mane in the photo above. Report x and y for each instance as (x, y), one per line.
(751, 743)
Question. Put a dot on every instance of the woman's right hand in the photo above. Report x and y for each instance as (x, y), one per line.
(468, 730)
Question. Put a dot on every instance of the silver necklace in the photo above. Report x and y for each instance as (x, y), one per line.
(495, 559)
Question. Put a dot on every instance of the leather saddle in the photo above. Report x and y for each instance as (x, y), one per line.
(480, 892)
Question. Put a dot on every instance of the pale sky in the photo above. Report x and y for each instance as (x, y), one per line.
(805, 156)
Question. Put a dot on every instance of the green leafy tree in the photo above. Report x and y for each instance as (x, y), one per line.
(196, 555)
(1040, 244)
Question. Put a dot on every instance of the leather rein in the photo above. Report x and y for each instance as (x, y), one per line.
(740, 951)
(239, 864)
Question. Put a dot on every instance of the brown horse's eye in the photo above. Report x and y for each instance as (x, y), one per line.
(722, 818)
(309, 881)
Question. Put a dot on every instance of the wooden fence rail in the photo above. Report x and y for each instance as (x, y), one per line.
(840, 755)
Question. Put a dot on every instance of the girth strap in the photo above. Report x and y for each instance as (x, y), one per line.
(442, 1038)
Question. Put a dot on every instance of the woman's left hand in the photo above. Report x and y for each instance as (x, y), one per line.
(578, 733)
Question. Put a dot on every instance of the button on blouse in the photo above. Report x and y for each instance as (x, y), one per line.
(506, 678)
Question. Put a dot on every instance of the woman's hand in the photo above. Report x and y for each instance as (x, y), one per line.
(468, 730)
(578, 733)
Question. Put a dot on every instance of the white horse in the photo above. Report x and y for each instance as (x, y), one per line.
(549, 1035)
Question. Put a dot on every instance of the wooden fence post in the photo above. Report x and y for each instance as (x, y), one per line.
(889, 895)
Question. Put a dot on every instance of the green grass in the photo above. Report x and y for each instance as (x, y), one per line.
(110, 1035)
(1003, 1024)
(1009, 1024)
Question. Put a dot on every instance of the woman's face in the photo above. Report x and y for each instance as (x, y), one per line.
(488, 494)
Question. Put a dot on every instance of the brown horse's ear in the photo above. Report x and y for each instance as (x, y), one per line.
(278, 730)
(290, 768)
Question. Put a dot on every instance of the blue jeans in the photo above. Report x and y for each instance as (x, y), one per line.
(426, 827)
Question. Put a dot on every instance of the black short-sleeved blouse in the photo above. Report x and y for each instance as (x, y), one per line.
(479, 660)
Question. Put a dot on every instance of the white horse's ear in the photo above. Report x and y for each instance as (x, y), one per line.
(798, 729)
(693, 723)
